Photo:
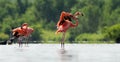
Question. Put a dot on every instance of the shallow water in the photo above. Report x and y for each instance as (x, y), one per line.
(53, 53)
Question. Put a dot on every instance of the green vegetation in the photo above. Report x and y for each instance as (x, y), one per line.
(101, 22)
(113, 32)
(89, 37)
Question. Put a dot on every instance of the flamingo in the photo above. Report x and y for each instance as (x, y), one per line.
(65, 23)
(22, 32)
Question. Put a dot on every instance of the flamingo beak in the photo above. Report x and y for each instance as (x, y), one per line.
(82, 14)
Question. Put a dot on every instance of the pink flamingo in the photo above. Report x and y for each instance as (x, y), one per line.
(23, 31)
(65, 23)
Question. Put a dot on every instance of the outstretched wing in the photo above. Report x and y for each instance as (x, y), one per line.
(64, 16)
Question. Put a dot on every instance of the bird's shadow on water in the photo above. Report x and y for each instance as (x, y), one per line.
(67, 56)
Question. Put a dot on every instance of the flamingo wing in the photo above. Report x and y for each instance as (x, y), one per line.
(64, 16)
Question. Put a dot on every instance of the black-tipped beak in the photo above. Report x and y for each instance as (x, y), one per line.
(82, 14)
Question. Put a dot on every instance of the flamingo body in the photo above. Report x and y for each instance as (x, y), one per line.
(21, 32)
(64, 27)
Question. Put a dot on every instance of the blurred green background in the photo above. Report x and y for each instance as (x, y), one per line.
(101, 23)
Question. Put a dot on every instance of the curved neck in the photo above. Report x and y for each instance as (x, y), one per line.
(76, 24)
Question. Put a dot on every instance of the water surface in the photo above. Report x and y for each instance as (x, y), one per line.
(53, 53)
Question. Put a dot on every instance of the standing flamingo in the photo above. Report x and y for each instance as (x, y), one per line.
(65, 23)
(22, 32)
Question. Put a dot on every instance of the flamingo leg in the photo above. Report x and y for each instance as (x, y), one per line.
(27, 40)
(62, 41)
(20, 41)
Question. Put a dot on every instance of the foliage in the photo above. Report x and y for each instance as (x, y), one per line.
(89, 37)
(42, 15)
(113, 32)
(3, 36)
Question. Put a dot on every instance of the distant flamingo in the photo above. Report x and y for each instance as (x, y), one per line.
(65, 23)
(22, 32)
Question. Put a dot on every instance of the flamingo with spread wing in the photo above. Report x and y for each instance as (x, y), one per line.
(22, 32)
(65, 23)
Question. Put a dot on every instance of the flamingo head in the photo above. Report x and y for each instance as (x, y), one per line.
(24, 24)
(79, 13)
